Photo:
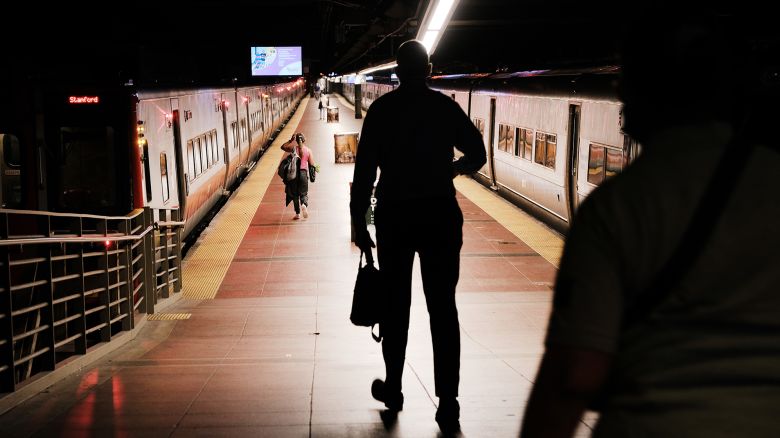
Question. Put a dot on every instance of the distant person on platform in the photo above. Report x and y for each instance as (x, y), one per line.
(409, 134)
(666, 328)
(321, 107)
(297, 190)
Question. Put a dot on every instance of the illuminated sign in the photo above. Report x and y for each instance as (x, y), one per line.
(83, 99)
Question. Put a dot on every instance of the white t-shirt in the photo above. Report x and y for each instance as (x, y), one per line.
(707, 361)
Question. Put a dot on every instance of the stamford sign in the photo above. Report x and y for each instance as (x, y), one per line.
(84, 99)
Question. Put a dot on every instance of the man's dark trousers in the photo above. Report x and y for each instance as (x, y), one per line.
(434, 229)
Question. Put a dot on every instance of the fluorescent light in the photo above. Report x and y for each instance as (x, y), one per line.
(440, 14)
(377, 68)
(429, 39)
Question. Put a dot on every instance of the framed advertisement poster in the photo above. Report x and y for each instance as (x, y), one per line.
(345, 147)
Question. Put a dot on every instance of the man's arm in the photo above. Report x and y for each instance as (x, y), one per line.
(568, 380)
(289, 145)
(366, 164)
(469, 141)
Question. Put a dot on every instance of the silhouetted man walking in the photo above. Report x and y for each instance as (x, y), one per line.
(409, 134)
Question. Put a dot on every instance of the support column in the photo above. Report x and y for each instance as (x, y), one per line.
(358, 102)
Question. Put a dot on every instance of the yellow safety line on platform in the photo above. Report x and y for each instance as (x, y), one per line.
(170, 316)
(208, 262)
(536, 235)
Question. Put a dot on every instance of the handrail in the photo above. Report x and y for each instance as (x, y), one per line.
(132, 215)
(39, 240)
(53, 260)
(171, 224)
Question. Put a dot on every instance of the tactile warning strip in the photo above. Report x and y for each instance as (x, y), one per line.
(169, 316)
(207, 263)
(547, 243)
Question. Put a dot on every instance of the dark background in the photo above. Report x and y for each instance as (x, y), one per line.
(207, 42)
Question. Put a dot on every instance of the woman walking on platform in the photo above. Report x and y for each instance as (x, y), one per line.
(297, 189)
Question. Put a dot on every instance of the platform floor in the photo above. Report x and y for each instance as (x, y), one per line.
(261, 343)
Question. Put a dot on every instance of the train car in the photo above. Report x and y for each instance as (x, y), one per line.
(369, 92)
(85, 149)
(551, 136)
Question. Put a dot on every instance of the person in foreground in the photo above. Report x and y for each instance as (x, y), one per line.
(698, 356)
(409, 134)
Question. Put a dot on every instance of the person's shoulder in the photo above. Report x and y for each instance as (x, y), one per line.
(384, 101)
(442, 99)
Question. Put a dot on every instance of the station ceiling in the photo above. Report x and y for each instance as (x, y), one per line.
(207, 41)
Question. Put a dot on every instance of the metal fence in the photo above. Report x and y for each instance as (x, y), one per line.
(69, 282)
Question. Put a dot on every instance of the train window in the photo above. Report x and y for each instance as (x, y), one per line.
(204, 159)
(614, 162)
(596, 164)
(11, 152)
(190, 160)
(525, 143)
(147, 172)
(480, 124)
(234, 134)
(604, 162)
(215, 148)
(506, 138)
(545, 150)
(207, 149)
(164, 177)
(196, 151)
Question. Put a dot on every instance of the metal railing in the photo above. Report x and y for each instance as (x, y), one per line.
(69, 282)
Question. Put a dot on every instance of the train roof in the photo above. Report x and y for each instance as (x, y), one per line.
(594, 82)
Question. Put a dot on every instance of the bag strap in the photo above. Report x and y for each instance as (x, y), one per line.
(369, 258)
(690, 247)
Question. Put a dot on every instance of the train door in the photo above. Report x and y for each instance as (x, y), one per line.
(248, 125)
(226, 143)
(491, 142)
(10, 172)
(572, 161)
(182, 179)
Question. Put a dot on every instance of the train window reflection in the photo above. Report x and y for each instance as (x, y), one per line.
(596, 164)
(604, 162)
(614, 162)
(506, 138)
(166, 194)
(545, 150)
(525, 143)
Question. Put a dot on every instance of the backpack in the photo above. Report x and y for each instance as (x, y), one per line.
(288, 167)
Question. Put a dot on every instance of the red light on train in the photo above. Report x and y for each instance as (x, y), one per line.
(107, 243)
(76, 100)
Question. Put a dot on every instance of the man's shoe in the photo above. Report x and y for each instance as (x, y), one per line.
(448, 414)
(304, 210)
(394, 402)
(296, 217)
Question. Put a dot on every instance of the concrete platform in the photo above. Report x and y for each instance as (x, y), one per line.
(261, 343)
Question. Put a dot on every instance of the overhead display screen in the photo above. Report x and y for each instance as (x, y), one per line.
(277, 61)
